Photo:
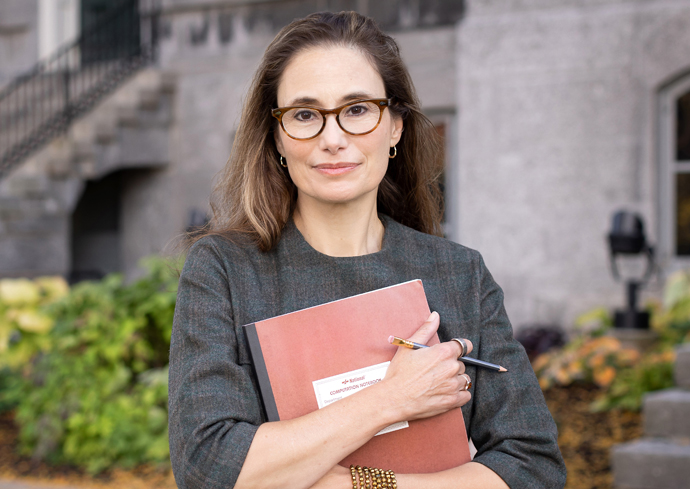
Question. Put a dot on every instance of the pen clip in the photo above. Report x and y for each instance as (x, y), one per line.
(400, 342)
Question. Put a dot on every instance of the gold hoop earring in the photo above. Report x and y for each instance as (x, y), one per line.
(282, 162)
(395, 152)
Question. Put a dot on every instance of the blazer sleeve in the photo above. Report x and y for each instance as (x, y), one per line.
(511, 427)
(214, 410)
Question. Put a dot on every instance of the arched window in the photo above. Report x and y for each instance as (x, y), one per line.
(674, 181)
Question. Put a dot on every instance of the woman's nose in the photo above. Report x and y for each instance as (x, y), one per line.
(332, 138)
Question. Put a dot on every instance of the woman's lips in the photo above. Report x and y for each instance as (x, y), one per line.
(335, 168)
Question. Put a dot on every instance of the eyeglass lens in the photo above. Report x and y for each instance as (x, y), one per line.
(357, 118)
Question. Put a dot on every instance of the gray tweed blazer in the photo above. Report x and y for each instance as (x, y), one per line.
(215, 408)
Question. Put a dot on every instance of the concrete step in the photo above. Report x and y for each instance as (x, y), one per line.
(682, 367)
(29, 186)
(651, 463)
(667, 414)
(129, 129)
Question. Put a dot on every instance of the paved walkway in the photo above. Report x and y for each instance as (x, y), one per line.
(5, 484)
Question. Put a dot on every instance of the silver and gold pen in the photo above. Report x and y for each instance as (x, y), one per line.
(466, 360)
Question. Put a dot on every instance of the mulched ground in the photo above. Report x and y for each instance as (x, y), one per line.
(585, 439)
(15, 467)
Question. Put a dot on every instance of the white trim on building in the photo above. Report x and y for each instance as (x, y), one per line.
(58, 23)
(669, 167)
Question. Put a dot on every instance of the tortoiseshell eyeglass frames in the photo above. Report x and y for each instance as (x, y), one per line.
(356, 118)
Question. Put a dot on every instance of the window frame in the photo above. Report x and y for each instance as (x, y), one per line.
(669, 167)
(448, 117)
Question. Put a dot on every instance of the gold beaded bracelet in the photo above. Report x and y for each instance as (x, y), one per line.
(375, 481)
(372, 478)
(354, 476)
(390, 479)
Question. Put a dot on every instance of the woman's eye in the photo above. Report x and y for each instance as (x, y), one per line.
(305, 115)
(356, 110)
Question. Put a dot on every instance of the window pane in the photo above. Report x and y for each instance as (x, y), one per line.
(683, 128)
(683, 214)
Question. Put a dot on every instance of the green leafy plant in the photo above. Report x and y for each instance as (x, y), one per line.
(23, 320)
(671, 320)
(587, 359)
(624, 375)
(653, 372)
(94, 394)
(24, 327)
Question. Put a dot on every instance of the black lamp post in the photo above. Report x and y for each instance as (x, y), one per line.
(627, 238)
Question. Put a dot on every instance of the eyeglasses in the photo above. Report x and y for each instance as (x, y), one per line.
(356, 118)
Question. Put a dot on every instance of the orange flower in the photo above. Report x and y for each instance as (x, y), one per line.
(604, 377)
(603, 343)
(597, 360)
(575, 369)
(669, 356)
(562, 376)
(541, 361)
(609, 343)
(628, 355)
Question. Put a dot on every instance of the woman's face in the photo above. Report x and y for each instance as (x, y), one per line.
(335, 167)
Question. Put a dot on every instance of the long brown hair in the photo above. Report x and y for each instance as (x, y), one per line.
(254, 195)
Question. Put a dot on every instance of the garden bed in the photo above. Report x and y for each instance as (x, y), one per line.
(15, 467)
(585, 439)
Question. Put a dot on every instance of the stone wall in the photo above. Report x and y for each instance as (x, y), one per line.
(210, 49)
(213, 49)
(557, 130)
(550, 109)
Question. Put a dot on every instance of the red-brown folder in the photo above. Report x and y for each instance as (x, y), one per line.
(291, 351)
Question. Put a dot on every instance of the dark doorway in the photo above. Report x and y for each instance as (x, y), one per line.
(110, 30)
(95, 245)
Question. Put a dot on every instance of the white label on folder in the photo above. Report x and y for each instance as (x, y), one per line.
(340, 386)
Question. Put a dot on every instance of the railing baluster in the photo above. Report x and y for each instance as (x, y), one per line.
(44, 102)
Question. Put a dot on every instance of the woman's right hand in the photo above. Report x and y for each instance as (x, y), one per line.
(429, 381)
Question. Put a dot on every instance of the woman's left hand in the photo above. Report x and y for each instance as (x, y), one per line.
(336, 478)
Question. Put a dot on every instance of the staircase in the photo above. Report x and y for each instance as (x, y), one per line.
(90, 109)
(660, 460)
(129, 129)
(43, 103)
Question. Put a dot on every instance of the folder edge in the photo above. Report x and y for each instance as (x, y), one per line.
(261, 371)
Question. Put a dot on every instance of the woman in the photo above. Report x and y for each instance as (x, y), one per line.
(317, 204)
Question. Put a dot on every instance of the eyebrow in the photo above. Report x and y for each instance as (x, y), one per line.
(312, 102)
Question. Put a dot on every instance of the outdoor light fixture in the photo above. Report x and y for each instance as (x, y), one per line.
(627, 238)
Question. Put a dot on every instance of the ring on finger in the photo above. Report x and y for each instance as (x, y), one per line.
(468, 383)
(463, 346)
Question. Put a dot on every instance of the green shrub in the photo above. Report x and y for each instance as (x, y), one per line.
(94, 393)
(24, 328)
(653, 372)
(672, 318)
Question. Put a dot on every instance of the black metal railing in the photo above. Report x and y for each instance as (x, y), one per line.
(42, 103)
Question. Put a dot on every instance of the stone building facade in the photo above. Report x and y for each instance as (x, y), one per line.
(567, 113)
(555, 113)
